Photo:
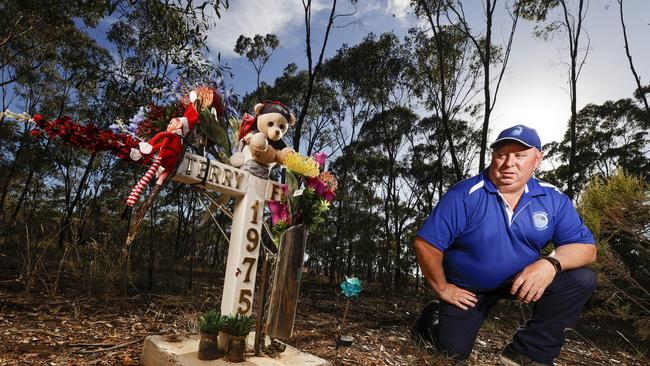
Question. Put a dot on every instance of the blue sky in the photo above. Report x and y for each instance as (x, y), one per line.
(534, 90)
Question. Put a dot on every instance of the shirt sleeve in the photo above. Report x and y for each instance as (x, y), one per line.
(445, 223)
(569, 227)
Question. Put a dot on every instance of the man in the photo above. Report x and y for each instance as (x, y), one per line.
(483, 241)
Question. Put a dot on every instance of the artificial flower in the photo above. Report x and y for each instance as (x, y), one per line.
(279, 212)
(328, 178)
(302, 165)
(320, 158)
(351, 287)
(321, 188)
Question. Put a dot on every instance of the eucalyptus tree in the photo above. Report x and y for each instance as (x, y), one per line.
(447, 69)
(55, 66)
(314, 69)
(34, 39)
(258, 50)
(385, 141)
(491, 55)
(610, 136)
(359, 98)
(570, 23)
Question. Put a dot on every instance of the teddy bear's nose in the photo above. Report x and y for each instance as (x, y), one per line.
(277, 133)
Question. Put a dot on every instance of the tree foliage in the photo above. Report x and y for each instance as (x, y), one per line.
(258, 50)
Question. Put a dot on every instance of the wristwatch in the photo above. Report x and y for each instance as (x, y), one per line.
(554, 262)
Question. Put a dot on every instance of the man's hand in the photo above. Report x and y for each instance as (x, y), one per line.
(457, 296)
(530, 284)
(430, 259)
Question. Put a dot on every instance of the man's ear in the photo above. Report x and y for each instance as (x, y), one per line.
(292, 119)
(540, 156)
(258, 108)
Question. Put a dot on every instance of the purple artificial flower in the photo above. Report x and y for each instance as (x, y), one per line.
(115, 128)
(320, 158)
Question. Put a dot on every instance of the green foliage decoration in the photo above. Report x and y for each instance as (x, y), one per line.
(239, 325)
(211, 322)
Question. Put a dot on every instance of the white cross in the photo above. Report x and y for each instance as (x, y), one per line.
(251, 194)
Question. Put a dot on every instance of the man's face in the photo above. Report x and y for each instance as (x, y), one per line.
(513, 165)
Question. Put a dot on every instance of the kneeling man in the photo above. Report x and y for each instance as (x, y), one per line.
(483, 241)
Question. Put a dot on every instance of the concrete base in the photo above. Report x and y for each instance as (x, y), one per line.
(159, 352)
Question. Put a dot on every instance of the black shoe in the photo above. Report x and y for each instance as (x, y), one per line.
(421, 331)
(510, 357)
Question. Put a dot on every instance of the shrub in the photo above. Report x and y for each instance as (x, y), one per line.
(617, 210)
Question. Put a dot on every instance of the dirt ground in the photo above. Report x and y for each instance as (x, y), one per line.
(75, 329)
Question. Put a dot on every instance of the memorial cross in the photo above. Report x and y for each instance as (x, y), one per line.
(251, 194)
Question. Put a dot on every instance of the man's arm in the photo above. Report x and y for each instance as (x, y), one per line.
(575, 255)
(531, 282)
(430, 260)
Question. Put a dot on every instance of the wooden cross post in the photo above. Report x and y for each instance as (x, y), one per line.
(251, 194)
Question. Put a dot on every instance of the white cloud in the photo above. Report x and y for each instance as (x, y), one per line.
(399, 8)
(284, 18)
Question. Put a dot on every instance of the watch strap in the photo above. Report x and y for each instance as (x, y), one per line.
(554, 262)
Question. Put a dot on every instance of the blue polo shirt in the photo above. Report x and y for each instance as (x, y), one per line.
(484, 244)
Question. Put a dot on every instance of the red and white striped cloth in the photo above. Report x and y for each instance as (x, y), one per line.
(143, 183)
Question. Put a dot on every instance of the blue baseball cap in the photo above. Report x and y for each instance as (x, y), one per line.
(521, 134)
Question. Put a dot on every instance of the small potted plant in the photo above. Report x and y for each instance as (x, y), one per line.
(237, 327)
(210, 323)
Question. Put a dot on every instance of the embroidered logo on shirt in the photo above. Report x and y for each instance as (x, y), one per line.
(540, 220)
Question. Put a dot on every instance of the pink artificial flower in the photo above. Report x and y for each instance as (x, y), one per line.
(318, 185)
(321, 188)
(329, 195)
(320, 158)
(279, 212)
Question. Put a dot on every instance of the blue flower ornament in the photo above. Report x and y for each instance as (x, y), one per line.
(351, 287)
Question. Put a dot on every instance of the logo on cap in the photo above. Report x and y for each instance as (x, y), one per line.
(517, 131)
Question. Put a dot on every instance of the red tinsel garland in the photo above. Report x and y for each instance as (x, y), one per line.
(89, 137)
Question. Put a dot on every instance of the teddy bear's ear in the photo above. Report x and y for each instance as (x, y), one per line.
(258, 108)
(292, 119)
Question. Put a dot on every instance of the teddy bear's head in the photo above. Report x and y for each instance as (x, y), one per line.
(273, 119)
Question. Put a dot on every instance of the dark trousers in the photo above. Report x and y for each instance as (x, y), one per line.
(541, 339)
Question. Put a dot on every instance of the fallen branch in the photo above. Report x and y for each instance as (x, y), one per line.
(121, 345)
(91, 344)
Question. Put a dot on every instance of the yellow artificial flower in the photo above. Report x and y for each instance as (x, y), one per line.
(302, 165)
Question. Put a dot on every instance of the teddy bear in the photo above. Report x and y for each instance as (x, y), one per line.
(260, 136)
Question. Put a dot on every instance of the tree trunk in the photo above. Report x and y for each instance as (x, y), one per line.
(64, 229)
(637, 79)
(312, 73)
(12, 170)
(486, 85)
